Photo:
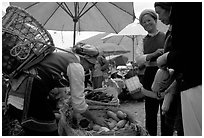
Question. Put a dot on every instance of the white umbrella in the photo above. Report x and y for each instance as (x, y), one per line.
(130, 36)
(81, 16)
(106, 48)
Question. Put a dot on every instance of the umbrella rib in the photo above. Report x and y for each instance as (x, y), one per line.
(106, 19)
(88, 9)
(121, 39)
(31, 5)
(123, 10)
(83, 8)
(67, 10)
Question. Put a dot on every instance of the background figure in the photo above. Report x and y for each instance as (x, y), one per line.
(173, 117)
(100, 69)
(87, 78)
(113, 69)
(187, 46)
(97, 76)
(153, 47)
(88, 64)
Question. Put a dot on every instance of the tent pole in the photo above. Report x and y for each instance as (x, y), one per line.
(74, 33)
(75, 19)
(133, 55)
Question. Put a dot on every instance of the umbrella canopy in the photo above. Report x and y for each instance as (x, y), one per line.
(106, 48)
(95, 40)
(131, 36)
(81, 16)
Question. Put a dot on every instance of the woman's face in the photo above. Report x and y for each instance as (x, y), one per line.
(149, 23)
(164, 15)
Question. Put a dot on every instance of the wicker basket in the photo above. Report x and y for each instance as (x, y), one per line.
(24, 41)
(109, 91)
(65, 124)
(92, 103)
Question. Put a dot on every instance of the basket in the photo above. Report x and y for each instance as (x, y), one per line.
(65, 129)
(93, 103)
(109, 91)
(25, 42)
(133, 84)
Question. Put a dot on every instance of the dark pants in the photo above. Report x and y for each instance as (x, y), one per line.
(173, 118)
(152, 107)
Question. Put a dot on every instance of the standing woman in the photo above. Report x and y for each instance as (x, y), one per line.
(173, 117)
(153, 47)
(187, 47)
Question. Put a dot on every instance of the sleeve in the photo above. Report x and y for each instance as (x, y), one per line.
(75, 73)
(141, 59)
(186, 41)
(186, 56)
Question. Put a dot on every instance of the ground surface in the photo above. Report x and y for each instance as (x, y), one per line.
(137, 110)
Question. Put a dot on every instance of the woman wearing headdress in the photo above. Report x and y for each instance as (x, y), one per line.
(153, 47)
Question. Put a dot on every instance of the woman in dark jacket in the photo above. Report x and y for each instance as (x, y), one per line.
(173, 117)
(187, 49)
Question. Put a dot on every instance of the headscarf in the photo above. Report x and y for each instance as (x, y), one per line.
(148, 11)
(164, 5)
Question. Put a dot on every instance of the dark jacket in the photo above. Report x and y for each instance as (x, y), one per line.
(186, 54)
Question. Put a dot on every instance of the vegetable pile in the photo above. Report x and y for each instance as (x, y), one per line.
(98, 96)
(115, 120)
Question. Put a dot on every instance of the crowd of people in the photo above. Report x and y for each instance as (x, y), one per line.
(179, 49)
(180, 45)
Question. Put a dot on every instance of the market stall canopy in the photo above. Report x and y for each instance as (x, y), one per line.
(95, 40)
(81, 16)
(112, 49)
(107, 48)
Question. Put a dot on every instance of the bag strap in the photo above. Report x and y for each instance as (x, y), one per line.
(32, 74)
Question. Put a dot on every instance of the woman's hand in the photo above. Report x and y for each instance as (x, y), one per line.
(158, 52)
(155, 54)
(148, 93)
(95, 119)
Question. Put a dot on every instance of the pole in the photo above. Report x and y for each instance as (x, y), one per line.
(133, 53)
(74, 37)
(75, 20)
